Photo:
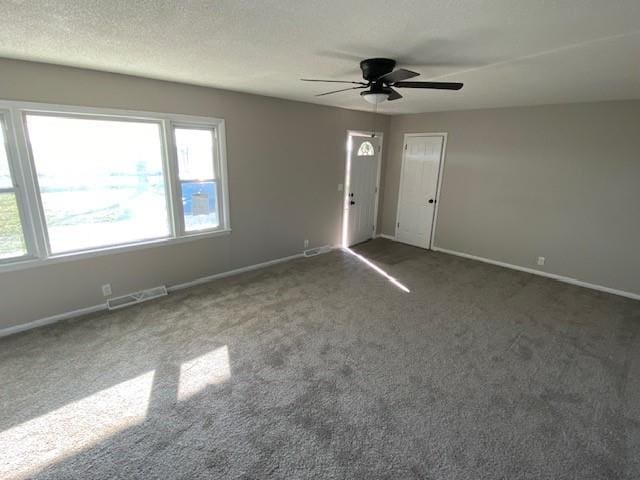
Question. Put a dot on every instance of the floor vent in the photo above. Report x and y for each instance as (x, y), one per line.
(136, 297)
(312, 252)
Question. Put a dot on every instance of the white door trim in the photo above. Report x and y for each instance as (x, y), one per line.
(443, 155)
(360, 133)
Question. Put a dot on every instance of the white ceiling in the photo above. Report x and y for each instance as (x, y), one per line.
(507, 52)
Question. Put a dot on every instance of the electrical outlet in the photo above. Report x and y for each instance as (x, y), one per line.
(106, 290)
(541, 260)
(306, 244)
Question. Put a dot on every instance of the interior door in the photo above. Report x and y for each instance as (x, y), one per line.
(362, 188)
(418, 189)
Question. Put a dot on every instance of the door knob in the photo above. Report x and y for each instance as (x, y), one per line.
(431, 200)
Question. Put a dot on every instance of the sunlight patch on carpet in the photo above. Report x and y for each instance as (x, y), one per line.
(378, 270)
(208, 369)
(73, 428)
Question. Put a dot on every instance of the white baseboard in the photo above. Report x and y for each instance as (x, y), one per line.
(561, 278)
(97, 308)
(52, 319)
(388, 237)
(209, 278)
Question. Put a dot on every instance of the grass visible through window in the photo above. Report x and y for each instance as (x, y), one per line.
(11, 239)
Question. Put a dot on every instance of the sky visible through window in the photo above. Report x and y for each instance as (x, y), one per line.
(5, 176)
(101, 181)
(199, 188)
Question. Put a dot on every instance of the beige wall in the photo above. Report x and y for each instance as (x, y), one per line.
(558, 181)
(285, 162)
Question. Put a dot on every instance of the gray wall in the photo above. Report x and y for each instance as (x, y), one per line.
(558, 181)
(285, 161)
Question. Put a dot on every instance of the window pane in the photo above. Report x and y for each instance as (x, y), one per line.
(11, 238)
(195, 149)
(200, 205)
(366, 150)
(101, 181)
(195, 153)
(5, 175)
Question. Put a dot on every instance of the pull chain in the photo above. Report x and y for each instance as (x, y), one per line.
(373, 120)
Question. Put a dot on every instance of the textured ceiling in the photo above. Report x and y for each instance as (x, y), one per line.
(507, 52)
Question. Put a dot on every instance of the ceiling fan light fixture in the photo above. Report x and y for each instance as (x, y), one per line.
(381, 81)
(375, 97)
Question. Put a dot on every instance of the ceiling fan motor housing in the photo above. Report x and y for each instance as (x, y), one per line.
(374, 68)
(381, 81)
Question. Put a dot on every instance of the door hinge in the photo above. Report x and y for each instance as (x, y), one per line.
(405, 146)
(398, 224)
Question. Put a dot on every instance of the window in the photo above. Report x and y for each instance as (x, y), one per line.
(196, 172)
(96, 180)
(101, 181)
(366, 149)
(12, 243)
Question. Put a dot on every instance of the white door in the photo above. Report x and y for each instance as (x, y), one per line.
(362, 188)
(418, 189)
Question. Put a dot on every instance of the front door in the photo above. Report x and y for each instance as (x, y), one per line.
(362, 188)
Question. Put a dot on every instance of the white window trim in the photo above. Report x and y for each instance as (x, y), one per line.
(177, 182)
(18, 184)
(24, 175)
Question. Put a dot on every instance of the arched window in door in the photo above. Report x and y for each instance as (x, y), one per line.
(366, 149)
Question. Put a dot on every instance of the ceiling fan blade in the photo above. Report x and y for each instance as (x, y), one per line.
(341, 90)
(436, 85)
(394, 95)
(398, 75)
(332, 81)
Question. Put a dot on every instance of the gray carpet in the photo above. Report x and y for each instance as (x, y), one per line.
(324, 368)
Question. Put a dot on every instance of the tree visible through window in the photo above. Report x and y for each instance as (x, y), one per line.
(366, 149)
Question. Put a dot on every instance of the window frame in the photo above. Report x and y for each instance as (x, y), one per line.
(18, 188)
(25, 180)
(179, 208)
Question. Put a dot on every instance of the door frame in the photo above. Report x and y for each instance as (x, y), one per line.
(347, 181)
(443, 156)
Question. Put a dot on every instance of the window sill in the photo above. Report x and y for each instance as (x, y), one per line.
(26, 263)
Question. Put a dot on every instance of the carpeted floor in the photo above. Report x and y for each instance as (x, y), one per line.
(325, 368)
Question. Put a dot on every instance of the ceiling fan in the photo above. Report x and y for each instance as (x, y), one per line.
(382, 80)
